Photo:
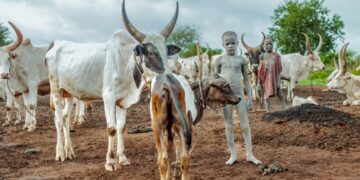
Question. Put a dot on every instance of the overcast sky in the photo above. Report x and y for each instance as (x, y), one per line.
(96, 20)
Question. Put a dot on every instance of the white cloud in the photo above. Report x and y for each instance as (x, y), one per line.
(96, 20)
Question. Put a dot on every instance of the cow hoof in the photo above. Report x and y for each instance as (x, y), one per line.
(80, 122)
(110, 166)
(17, 122)
(253, 160)
(123, 160)
(60, 156)
(31, 128)
(231, 161)
(5, 124)
(69, 152)
(25, 126)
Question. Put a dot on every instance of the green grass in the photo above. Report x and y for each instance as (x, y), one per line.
(315, 82)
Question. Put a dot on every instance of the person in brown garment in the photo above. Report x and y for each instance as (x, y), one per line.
(269, 75)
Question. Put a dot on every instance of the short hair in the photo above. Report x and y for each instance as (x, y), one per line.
(229, 33)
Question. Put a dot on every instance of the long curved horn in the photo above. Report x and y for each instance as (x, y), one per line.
(198, 49)
(240, 51)
(139, 36)
(336, 64)
(169, 28)
(321, 42)
(342, 60)
(260, 46)
(308, 46)
(247, 47)
(19, 38)
(207, 48)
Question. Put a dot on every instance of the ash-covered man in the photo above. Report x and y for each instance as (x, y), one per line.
(269, 75)
(233, 67)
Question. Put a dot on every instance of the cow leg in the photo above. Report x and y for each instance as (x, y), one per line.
(27, 114)
(281, 98)
(184, 156)
(244, 123)
(60, 154)
(32, 106)
(9, 105)
(229, 131)
(288, 92)
(120, 128)
(69, 152)
(109, 107)
(18, 110)
(164, 165)
(81, 112)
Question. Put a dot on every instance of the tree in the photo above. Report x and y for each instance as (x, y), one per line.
(4, 35)
(186, 37)
(295, 17)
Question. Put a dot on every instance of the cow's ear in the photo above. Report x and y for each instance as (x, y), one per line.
(140, 50)
(172, 49)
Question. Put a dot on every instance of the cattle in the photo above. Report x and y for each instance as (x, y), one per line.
(190, 67)
(175, 106)
(296, 67)
(23, 67)
(175, 66)
(253, 56)
(115, 71)
(297, 101)
(345, 81)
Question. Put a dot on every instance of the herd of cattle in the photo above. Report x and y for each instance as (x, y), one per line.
(117, 71)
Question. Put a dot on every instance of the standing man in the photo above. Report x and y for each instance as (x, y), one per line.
(233, 67)
(269, 75)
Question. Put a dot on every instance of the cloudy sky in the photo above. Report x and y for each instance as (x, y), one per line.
(96, 20)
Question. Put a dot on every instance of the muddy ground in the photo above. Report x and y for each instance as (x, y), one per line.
(308, 150)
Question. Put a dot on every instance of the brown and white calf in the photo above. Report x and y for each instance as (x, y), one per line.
(175, 106)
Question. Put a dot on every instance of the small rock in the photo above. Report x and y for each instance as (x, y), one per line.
(32, 151)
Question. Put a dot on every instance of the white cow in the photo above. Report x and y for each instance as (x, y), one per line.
(296, 67)
(346, 82)
(24, 69)
(115, 71)
(190, 67)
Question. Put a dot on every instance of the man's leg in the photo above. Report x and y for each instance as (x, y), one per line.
(244, 123)
(229, 131)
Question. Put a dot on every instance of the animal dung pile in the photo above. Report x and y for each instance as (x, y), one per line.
(311, 113)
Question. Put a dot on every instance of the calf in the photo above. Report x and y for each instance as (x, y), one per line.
(175, 106)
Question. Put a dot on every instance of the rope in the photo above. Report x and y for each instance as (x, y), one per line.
(139, 69)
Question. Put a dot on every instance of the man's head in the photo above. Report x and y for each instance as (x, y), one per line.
(268, 45)
(230, 42)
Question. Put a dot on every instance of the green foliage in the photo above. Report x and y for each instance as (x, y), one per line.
(295, 17)
(186, 37)
(4, 35)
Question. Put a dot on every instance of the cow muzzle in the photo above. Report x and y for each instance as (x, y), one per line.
(5, 76)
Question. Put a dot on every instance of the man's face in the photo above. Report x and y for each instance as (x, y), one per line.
(268, 46)
(230, 44)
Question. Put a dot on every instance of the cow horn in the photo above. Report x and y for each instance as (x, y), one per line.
(169, 28)
(308, 46)
(261, 46)
(336, 64)
(243, 43)
(139, 36)
(207, 48)
(19, 38)
(200, 60)
(342, 60)
(321, 42)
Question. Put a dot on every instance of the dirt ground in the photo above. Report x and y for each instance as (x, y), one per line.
(308, 150)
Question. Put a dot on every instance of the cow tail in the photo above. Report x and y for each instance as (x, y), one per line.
(177, 105)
